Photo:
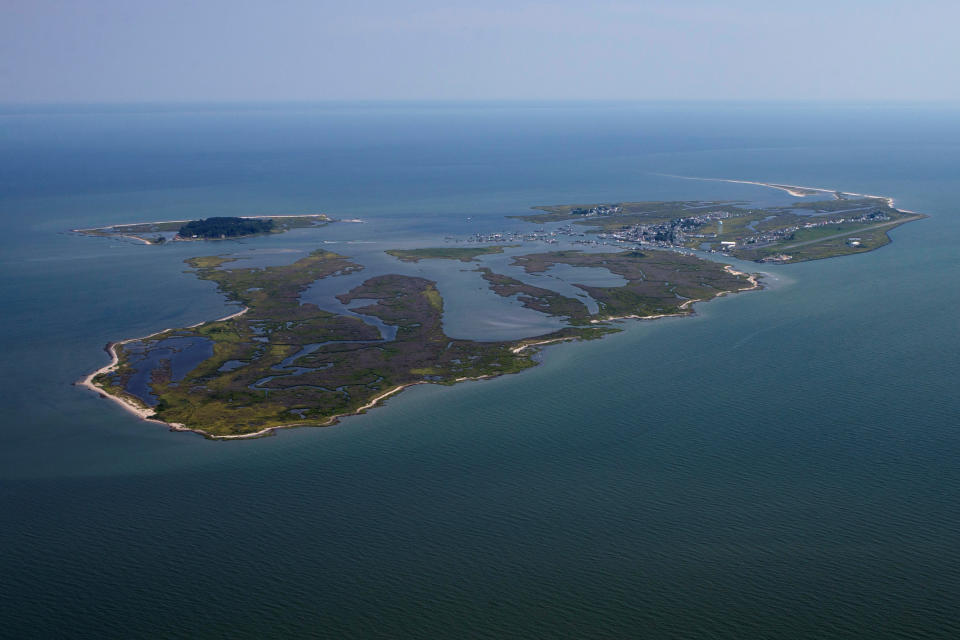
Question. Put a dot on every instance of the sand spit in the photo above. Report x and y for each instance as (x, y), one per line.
(796, 190)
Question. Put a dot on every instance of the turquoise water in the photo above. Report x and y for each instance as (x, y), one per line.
(782, 465)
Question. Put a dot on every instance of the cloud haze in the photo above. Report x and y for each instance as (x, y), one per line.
(171, 50)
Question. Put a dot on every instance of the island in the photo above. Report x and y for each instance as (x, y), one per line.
(279, 362)
(213, 228)
(282, 362)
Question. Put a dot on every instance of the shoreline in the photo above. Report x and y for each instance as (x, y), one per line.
(752, 278)
(132, 237)
(129, 404)
(145, 413)
(528, 345)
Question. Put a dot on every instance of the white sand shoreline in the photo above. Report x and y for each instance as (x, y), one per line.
(145, 413)
(528, 345)
(128, 403)
(795, 190)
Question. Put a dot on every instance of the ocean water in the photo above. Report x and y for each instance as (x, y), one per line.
(782, 465)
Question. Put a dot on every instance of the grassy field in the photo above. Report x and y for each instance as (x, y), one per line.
(463, 254)
(658, 282)
(829, 241)
(538, 298)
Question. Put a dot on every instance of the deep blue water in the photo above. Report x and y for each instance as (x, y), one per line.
(782, 465)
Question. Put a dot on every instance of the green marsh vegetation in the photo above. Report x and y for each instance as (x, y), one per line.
(287, 363)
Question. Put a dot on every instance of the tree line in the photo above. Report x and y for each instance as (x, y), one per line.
(225, 227)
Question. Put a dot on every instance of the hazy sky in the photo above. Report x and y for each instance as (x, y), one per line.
(173, 50)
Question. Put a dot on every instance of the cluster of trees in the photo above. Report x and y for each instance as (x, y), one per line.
(225, 227)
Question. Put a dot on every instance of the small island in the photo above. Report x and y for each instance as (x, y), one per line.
(214, 228)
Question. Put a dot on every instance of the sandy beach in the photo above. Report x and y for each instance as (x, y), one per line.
(128, 403)
(145, 413)
(526, 346)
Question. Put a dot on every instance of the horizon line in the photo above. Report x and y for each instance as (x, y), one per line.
(35, 107)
